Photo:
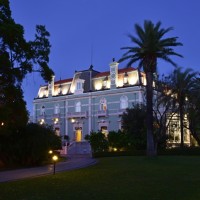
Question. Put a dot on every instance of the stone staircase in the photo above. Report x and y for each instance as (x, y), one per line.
(79, 148)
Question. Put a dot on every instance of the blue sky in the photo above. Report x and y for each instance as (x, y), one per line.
(85, 32)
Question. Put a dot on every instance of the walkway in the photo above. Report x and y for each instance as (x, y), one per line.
(70, 164)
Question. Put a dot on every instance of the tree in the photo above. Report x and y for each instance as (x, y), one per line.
(19, 57)
(29, 146)
(193, 111)
(134, 126)
(181, 84)
(150, 45)
(97, 141)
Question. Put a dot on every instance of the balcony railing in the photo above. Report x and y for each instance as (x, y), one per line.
(77, 114)
(102, 113)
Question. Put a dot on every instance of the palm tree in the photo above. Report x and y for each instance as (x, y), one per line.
(150, 45)
(182, 84)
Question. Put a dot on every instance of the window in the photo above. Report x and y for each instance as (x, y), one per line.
(123, 102)
(125, 78)
(78, 85)
(57, 109)
(105, 82)
(104, 130)
(78, 107)
(57, 131)
(135, 98)
(103, 104)
(42, 110)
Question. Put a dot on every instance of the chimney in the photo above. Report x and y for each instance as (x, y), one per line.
(113, 74)
(51, 87)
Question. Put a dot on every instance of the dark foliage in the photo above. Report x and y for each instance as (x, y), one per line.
(29, 146)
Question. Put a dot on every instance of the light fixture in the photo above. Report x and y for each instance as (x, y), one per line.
(56, 120)
(54, 158)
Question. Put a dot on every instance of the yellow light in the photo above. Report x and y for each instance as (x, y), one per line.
(2, 123)
(55, 158)
(98, 86)
(72, 120)
(56, 120)
(50, 151)
(42, 121)
(115, 149)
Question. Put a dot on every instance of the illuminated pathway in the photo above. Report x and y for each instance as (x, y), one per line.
(70, 164)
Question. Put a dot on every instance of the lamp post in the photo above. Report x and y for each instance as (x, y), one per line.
(54, 158)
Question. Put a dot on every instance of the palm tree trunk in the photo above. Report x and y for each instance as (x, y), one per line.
(181, 123)
(151, 151)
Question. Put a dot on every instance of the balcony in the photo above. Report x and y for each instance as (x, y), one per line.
(102, 113)
(77, 114)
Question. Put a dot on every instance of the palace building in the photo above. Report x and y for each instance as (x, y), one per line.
(89, 101)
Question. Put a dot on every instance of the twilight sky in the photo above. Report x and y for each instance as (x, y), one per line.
(85, 32)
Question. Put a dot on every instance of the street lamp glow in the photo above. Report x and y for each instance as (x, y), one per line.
(55, 158)
(50, 151)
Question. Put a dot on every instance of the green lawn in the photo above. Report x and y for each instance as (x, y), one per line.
(121, 178)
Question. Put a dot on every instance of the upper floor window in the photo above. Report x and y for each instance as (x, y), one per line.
(125, 78)
(105, 82)
(123, 102)
(79, 86)
(78, 106)
(57, 109)
(103, 104)
(42, 110)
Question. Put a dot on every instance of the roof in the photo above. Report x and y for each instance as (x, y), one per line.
(63, 81)
(120, 71)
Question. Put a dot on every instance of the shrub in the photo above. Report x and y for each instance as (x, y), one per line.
(97, 141)
(29, 146)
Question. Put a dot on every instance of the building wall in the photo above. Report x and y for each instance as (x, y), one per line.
(89, 119)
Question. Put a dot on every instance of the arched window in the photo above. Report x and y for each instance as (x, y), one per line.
(57, 109)
(78, 106)
(123, 102)
(103, 104)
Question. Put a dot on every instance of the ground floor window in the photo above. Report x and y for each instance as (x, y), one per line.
(57, 131)
(104, 130)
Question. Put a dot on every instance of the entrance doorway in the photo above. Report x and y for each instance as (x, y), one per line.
(78, 135)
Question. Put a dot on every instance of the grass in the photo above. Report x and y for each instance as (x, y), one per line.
(117, 178)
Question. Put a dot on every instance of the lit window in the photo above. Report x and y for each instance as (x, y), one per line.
(125, 78)
(105, 82)
(59, 89)
(57, 131)
(78, 107)
(103, 104)
(123, 102)
(104, 130)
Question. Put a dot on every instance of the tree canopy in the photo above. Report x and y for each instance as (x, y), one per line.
(19, 57)
(150, 44)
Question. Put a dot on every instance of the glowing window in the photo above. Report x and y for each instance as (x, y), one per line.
(103, 104)
(78, 107)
